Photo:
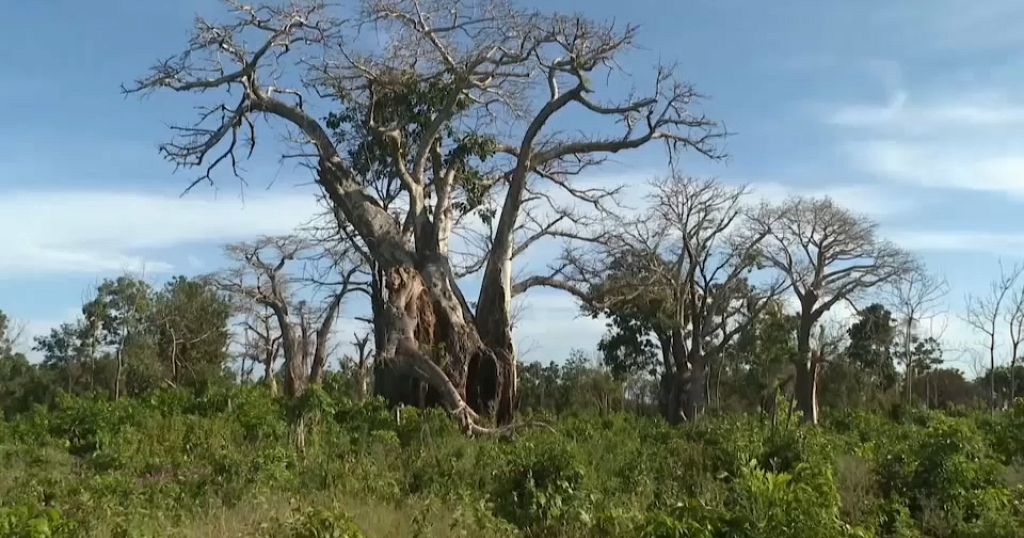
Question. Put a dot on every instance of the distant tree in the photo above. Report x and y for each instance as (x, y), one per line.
(262, 274)
(261, 342)
(118, 318)
(984, 313)
(65, 350)
(871, 339)
(21, 383)
(192, 333)
(1001, 378)
(828, 255)
(7, 335)
(916, 296)
(762, 355)
(680, 272)
(1014, 318)
(359, 366)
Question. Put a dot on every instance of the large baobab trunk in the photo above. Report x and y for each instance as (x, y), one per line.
(805, 386)
(430, 336)
(684, 384)
(495, 386)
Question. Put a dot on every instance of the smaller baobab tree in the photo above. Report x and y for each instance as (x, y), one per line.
(359, 365)
(984, 312)
(828, 255)
(261, 341)
(684, 271)
(916, 297)
(261, 275)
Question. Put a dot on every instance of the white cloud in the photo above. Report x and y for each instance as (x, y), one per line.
(941, 165)
(959, 241)
(96, 232)
(978, 109)
(869, 199)
(966, 141)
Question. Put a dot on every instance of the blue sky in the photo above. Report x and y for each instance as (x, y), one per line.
(909, 112)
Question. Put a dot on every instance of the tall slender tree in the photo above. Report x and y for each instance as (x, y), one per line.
(984, 312)
(916, 297)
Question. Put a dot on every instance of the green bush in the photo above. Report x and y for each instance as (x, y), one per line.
(31, 521)
(315, 523)
(172, 461)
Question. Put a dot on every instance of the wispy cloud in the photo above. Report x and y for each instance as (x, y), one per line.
(960, 241)
(941, 165)
(985, 109)
(869, 199)
(96, 232)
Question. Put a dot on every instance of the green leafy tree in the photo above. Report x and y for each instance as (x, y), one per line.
(760, 358)
(119, 318)
(21, 383)
(191, 327)
(870, 347)
(66, 352)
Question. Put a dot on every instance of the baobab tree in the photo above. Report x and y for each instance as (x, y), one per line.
(261, 341)
(261, 275)
(459, 105)
(828, 255)
(682, 270)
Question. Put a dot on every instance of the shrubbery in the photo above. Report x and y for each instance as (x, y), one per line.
(238, 462)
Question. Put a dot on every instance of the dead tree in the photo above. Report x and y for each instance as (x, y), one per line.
(915, 295)
(983, 314)
(461, 102)
(261, 342)
(828, 255)
(261, 275)
(1015, 322)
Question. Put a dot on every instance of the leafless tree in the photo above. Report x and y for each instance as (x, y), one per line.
(261, 341)
(360, 364)
(828, 255)
(686, 265)
(711, 259)
(1015, 321)
(490, 78)
(984, 312)
(916, 296)
(261, 275)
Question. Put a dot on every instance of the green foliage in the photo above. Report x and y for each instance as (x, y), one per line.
(315, 523)
(31, 521)
(172, 461)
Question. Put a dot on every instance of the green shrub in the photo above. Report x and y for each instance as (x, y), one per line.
(315, 523)
(31, 521)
